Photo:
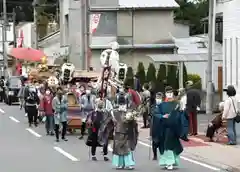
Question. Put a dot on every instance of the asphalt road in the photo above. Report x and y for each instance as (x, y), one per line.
(24, 149)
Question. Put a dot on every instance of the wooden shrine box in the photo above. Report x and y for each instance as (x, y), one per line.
(74, 112)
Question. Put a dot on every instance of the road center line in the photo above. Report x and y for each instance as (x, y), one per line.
(33, 132)
(2, 111)
(14, 119)
(69, 156)
(188, 159)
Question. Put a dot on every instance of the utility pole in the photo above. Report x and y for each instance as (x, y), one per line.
(211, 24)
(36, 25)
(4, 38)
(14, 28)
(87, 34)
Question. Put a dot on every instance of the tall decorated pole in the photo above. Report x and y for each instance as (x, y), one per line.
(109, 59)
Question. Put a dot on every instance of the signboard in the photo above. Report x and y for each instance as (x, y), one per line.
(94, 21)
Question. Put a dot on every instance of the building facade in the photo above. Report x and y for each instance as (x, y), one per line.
(231, 43)
(140, 29)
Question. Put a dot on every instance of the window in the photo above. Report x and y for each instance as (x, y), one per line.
(107, 25)
(15, 82)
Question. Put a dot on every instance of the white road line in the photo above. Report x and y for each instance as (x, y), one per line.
(2, 111)
(13, 119)
(189, 160)
(33, 132)
(69, 156)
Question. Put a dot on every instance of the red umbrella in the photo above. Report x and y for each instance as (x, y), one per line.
(28, 54)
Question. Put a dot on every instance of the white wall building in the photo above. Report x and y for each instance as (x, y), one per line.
(231, 43)
(10, 38)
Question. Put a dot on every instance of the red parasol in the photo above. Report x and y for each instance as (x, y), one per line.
(28, 54)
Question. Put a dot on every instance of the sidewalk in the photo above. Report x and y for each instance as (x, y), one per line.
(222, 156)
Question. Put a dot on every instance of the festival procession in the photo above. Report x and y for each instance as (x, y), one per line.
(103, 111)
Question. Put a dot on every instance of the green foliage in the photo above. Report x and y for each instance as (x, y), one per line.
(161, 78)
(129, 77)
(172, 79)
(192, 12)
(196, 79)
(141, 73)
(151, 73)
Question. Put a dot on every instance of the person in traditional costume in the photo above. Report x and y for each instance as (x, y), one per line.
(98, 133)
(167, 127)
(125, 134)
(184, 115)
(154, 135)
(88, 105)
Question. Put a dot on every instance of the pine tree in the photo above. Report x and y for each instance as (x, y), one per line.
(172, 77)
(141, 73)
(161, 78)
(185, 75)
(151, 73)
(129, 77)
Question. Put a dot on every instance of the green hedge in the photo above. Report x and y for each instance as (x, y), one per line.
(196, 79)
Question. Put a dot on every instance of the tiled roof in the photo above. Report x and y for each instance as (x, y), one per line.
(148, 3)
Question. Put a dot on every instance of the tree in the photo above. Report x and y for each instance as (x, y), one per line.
(172, 79)
(151, 73)
(129, 77)
(185, 75)
(161, 78)
(192, 12)
(196, 79)
(141, 73)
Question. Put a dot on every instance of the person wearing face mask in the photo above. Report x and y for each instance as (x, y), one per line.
(99, 121)
(166, 130)
(87, 103)
(153, 135)
(31, 102)
(47, 110)
(60, 108)
(168, 94)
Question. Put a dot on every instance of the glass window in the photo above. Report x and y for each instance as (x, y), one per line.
(14, 82)
(107, 25)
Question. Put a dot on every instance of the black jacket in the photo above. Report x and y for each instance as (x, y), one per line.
(193, 100)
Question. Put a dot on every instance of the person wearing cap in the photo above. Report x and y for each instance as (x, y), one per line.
(192, 106)
(230, 113)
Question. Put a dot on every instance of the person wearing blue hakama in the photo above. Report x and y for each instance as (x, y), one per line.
(167, 130)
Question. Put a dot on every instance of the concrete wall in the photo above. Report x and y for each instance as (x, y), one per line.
(181, 30)
(145, 27)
